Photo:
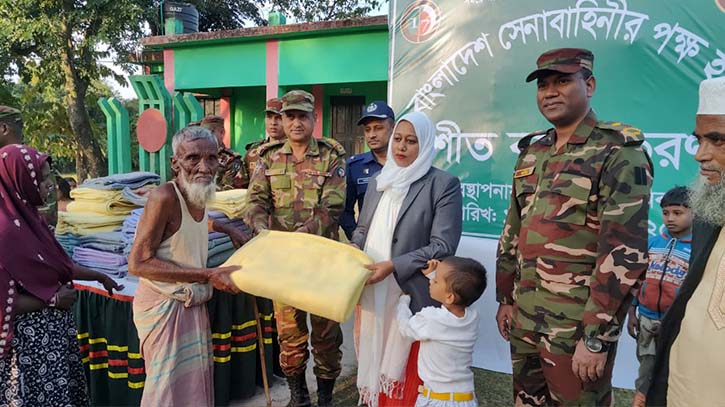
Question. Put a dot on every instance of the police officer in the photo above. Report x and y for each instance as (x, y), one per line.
(231, 170)
(300, 184)
(273, 128)
(574, 243)
(11, 132)
(378, 121)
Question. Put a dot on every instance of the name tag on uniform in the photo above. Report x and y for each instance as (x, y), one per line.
(524, 172)
(363, 181)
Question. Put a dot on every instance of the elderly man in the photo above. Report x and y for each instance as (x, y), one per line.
(574, 242)
(300, 184)
(378, 121)
(690, 361)
(273, 128)
(169, 257)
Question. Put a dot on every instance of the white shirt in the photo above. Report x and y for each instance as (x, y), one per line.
(446, 345)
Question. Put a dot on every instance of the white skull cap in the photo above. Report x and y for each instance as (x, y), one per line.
(712, 96)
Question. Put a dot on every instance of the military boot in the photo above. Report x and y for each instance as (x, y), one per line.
(324, 392)
(299, 395)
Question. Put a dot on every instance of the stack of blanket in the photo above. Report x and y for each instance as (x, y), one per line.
(91, 230)
(115, 265)
(231, 203)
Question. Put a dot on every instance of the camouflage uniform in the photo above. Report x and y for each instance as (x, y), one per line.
(232, 172)
(250, 159)
(571, 252)
(305, 196)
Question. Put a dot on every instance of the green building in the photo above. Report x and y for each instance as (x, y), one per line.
(344, 64)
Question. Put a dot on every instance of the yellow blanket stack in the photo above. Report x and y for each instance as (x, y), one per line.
(100, 202)
(308, 272)
(84, 224)
(230, 203)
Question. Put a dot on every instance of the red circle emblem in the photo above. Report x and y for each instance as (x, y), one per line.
(420, 21)
(151, 130)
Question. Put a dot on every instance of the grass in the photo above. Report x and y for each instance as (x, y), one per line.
(492, 389)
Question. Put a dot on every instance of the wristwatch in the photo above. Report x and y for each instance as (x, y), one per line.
(596, 345)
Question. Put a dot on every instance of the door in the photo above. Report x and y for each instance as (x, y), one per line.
(345, 112)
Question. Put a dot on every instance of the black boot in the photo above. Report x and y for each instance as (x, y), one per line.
(324, 392)
(299, 395)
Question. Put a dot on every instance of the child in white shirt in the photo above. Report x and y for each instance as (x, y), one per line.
(448, 333)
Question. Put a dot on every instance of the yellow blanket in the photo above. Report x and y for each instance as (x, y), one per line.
(308, 272)
(84, 224)
(101, 202)
(230, 203)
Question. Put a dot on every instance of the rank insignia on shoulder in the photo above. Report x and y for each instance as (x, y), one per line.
(366, 171)
(524, 172)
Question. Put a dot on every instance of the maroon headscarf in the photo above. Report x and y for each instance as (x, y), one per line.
(30, 256)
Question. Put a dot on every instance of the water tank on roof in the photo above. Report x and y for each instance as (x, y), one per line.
(180, 18)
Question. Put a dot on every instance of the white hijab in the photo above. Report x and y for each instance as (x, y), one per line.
(400, 178)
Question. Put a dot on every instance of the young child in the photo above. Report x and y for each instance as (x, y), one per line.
(669, 254)
(448, 333)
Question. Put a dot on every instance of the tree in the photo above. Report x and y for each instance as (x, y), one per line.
(59, 44)
(322, 10)
(46, 122)
(213, 14)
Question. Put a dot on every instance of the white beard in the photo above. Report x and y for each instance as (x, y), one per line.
(708, 201)
(198, 194)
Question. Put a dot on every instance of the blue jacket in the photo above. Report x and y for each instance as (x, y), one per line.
(668, 264)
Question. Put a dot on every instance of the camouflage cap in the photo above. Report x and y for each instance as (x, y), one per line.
(298, 100)
(274, 105)
(564, 60)
(7, 112)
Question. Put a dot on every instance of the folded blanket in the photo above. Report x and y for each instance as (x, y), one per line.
(219, 258)
(88, 200)
(84, 224)
(96, 258)
(131, 180)
(231, 203)
(108, 242)
(68, 241)
(137, 197)
(315, 274)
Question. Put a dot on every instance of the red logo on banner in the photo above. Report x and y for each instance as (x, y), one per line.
(721, 4)
(420, 21)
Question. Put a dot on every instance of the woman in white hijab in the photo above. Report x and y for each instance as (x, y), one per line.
(411, 214)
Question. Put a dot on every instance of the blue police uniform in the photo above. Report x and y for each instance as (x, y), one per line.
(360, 168)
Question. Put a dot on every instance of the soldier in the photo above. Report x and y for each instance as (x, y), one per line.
(273, 127)
(231, 173)
(11, 132)
(377, 121)
(574, 243)
(300, 184)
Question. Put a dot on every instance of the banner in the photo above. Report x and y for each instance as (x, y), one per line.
(464, 63)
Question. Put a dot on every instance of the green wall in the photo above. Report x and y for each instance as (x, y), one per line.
(361, 57)
(220, 66)
(247, 116)
(247, 107)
